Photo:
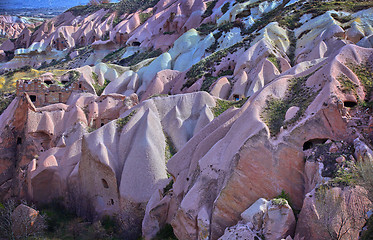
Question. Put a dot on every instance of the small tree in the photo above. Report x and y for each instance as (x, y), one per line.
(335, 216)
(27, 226)
(364, 175)
(6, 211)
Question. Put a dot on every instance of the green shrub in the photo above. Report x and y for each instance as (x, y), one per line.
(121, 122)
(168, 187)
(343, 178)
(73, 77)
(365, 74)
(209, 7)
(166, 233)
(225, 7)
(297, 94)
(170, 149)
(228, 72)
(223, 105)
(100, 88)
(207, 82)
(206, 28)
(139, 57)
(341, 19)
(5, 100)
(145, 16)
(279, 201)
(115, 55)
(106, 36)
(275, 61)
(109, 223)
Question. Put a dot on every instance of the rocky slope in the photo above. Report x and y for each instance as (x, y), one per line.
(188, 112)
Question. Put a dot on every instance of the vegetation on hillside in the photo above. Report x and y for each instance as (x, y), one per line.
(139, 57)
(298, 95)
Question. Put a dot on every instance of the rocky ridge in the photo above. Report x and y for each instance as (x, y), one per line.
(188, 112)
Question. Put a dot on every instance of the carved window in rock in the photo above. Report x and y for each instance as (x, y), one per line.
(104, 183)
(33, 98)
(313, 142)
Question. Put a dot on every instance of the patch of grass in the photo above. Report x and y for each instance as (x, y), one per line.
(223, 105)
(291, 16)
(275, 61)
(284, 195)
(95, 76)
(145, 16)
(2, 40)
(168, 33)
(344, 177)
(121, 122)
(64, 224)
(304, 33)
(274, 112)
(207, 82)
(291, 51)
(347, 86)
(297, 94)
(106, 36)
(170, 149)
(91, 129)
(115, 55)
(207, 65)
(279, 201)
(109, 223)
(166, 233)
(228, 72)
(342, 19)
(83, 10)
(106, 16)
(100, 88)
(225, 7)
(158, 95)
(168, 188)
(209, 7)
(139, 57)
(206, 28)
(365, 74)
(73, 77)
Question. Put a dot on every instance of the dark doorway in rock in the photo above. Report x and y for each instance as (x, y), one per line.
(33, 98)
(312, 142)
(349, 104)
(104, 183)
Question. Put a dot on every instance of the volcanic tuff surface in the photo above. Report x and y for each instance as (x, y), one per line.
(188, 112)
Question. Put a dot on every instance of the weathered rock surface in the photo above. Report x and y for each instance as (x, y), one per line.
(26, 222)
(161, 146)
(334, 213)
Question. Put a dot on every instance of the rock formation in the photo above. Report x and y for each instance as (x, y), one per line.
(188, 112)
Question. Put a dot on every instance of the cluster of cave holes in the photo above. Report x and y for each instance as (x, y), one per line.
(313, 142)
(106, 185)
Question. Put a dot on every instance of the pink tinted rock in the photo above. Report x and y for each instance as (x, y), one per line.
(221, 88)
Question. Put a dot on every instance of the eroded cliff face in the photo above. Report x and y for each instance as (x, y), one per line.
(191, 111)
